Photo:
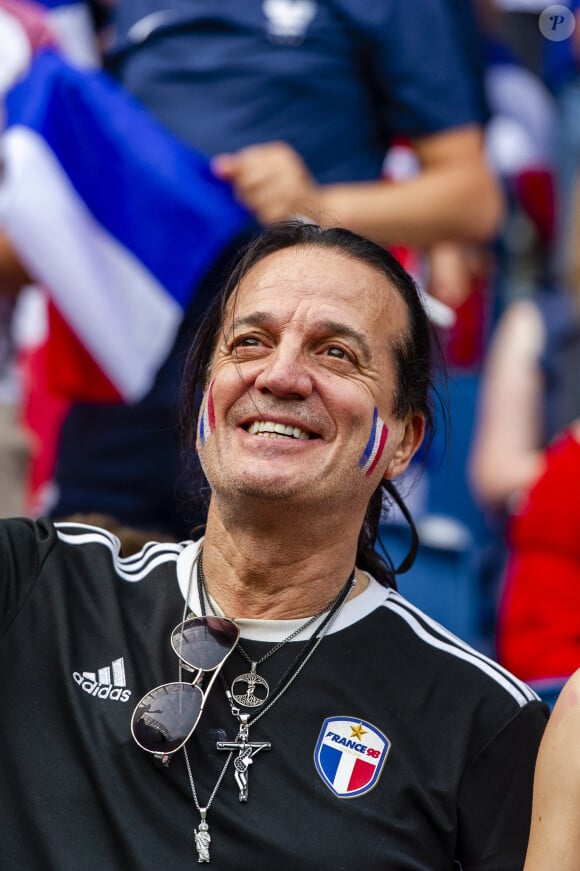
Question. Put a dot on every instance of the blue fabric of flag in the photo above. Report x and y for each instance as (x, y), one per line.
(60, 4)
(156, 195)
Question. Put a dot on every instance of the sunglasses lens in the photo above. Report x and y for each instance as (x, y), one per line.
(164, 718)
(204, 642)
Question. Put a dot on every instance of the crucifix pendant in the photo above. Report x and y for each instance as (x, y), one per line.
(246, 752)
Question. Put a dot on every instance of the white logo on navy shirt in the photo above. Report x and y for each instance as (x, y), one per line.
(108, 682)
(288, 20)
(349, 755)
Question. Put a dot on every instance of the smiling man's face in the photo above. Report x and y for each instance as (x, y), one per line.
(299, 399)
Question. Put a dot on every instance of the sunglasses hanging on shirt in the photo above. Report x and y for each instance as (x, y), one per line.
(166, 717)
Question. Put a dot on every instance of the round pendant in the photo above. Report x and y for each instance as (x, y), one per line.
(256, 690)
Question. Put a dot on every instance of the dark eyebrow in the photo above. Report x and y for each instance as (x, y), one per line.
(256, 319)
(333, 328)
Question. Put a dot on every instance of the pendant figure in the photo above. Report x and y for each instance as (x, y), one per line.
(250, 680)
(202, 838)
(246, 752)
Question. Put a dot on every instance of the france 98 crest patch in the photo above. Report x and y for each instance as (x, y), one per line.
(350, 755)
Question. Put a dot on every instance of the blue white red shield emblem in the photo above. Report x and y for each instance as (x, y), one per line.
(349, 755)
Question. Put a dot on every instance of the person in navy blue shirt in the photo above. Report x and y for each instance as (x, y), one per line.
(305, 97)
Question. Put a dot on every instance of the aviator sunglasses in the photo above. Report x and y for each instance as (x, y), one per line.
(165, 718)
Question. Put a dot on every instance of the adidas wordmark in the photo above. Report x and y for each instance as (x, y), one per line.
(107, 683)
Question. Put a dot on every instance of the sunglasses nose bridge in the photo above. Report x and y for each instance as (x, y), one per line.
(198, 672)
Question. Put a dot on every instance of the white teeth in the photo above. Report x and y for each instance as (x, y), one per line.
(269, 428)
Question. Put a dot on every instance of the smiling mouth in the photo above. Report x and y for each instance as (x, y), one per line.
(276, 430)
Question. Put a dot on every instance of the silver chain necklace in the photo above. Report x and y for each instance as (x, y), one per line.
(202, 837)
(251, 680)
(248, 749)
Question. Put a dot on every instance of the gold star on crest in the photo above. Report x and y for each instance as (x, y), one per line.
(357, 731)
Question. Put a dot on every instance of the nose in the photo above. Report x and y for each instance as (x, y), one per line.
(285, 373)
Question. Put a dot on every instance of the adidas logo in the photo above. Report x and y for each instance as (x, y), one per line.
(108, 682)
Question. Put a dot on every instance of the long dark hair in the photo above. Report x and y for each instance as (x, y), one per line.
(412, 351)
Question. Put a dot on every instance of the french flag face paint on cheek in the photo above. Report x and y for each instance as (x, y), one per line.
(375, 445)
(207, 420)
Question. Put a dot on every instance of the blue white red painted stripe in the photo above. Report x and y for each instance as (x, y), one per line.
(375, 445)
(207, 421)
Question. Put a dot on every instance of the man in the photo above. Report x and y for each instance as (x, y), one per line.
(344, 729)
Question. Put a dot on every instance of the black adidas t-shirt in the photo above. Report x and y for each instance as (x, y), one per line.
(397, 747)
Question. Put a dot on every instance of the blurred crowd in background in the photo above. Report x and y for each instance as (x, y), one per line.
(451, 90)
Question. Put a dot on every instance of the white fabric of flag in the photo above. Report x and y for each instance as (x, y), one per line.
(116, 217)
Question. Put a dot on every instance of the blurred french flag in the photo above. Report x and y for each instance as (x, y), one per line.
(114, 215)
(71, 23)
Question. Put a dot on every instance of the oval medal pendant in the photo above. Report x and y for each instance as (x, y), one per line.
(250, 681)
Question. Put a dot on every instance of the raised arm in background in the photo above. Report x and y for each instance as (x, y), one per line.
(453, 196)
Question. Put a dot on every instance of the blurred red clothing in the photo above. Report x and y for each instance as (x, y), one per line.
(539, 620)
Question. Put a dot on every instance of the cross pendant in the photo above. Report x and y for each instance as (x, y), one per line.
(246, 752)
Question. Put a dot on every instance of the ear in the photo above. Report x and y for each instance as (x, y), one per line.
(409, 443)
